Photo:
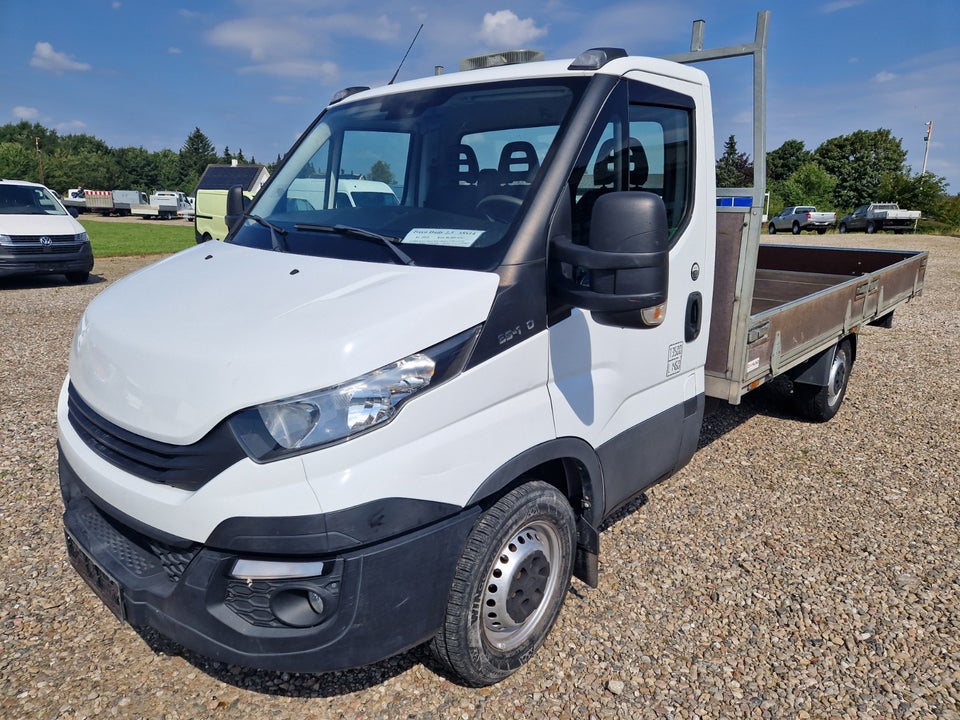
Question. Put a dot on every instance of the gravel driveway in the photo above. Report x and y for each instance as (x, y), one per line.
(791, 570)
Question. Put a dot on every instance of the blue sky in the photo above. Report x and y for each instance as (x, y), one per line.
(252, 74)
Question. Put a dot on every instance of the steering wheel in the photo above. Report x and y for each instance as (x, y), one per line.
(499, 208)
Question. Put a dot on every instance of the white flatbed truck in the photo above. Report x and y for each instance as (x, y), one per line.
(346, 431)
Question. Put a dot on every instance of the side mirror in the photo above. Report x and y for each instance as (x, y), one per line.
(622, 275)
(237, 204)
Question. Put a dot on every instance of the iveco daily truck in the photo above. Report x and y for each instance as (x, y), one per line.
(349, 430)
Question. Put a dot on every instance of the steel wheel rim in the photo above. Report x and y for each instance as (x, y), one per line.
(838, 375)
(518, 588)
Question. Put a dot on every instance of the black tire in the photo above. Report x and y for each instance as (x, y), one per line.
(795, 229)
(871, 228)
(77, 278)
(491, 628)
(843, 228)
(773, 229)
(820, 404)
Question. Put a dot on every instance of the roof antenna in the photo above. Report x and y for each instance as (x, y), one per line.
(405, 55)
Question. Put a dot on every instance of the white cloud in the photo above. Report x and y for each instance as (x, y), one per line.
(174, 51)
(884, 77)
(25, 113)
(839, 5)
(296, 38)
(504, 29)
(71, 125)
(46, 58)
(324, 72)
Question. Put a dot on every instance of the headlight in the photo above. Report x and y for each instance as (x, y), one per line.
(81, 237)
(6, 240)
(305, 422)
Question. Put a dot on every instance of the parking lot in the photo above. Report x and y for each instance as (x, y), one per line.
(791, 570)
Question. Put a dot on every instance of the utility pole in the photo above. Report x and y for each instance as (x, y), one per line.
(36, 144)
(926, 147)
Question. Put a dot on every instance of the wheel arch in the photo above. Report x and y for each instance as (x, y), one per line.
(573, 467)
(816, 370)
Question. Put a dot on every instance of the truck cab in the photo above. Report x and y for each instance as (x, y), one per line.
(404, 366)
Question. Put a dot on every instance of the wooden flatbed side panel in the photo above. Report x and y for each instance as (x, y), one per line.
(729, 238)
(773, 288)
(831, 260)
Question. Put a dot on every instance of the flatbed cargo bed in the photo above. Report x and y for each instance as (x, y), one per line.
(778, 306)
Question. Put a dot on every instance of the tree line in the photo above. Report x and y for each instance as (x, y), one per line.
(29, 151)
(842, 173)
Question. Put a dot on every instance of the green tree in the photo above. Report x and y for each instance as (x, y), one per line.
(786, 160)
(82, 143)
(27, 134)
(170, 174)
(734, 168)
(859, 161)
(197, 152)
(381, 171)
(809, 185)
(17, 162)
(137, 169)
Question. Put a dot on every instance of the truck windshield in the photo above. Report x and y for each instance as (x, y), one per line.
(442, 172)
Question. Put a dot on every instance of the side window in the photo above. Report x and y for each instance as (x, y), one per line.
(647, 148)
(662, 157)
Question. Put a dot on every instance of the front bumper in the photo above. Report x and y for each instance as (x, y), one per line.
(374, 600)
(40, 263)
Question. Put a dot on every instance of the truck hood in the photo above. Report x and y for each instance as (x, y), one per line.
(173, 349)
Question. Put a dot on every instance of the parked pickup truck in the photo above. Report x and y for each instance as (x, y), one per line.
(802, 217)
(351, 429)
(880, 216)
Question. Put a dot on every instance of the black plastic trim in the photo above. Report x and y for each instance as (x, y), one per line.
(187, 467)
(353, 527)
(384, 599)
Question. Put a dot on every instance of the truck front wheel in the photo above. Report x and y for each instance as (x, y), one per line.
(822, 403)
(871, 228)
(509, 585)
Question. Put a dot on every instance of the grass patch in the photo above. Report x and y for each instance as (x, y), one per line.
(112, 239)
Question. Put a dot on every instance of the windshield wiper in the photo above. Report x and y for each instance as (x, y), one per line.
(388, 242)
(277, 233)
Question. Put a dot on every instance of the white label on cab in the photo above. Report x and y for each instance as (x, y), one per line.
(447, 237)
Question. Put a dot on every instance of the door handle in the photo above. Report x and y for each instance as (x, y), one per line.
(694, 317)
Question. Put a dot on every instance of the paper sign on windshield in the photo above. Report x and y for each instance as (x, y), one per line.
(447, 237)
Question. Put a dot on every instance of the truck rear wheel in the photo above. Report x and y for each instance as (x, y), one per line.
(820, 404)
(795, 228)
(509, 585)
(871, 228)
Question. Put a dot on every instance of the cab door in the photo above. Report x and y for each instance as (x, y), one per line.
(637, 394)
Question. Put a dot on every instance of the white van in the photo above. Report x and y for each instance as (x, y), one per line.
(38, 235)
(348, 193)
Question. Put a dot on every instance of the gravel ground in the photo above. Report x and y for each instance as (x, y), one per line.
(791, 570)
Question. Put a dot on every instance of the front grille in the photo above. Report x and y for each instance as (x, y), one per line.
(32, 245)
(183, 466)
